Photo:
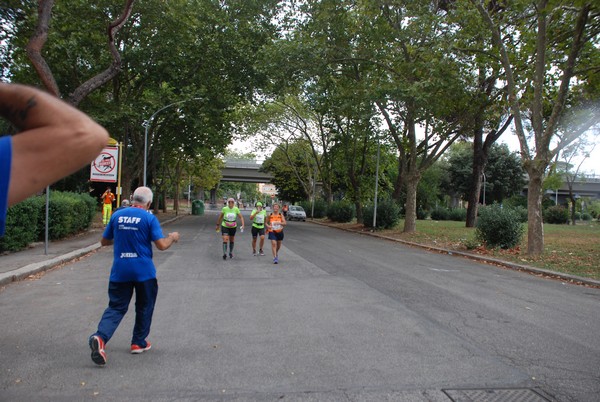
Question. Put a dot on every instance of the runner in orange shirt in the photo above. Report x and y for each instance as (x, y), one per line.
(275, 224)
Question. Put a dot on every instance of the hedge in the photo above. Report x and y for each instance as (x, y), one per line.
(68, 213)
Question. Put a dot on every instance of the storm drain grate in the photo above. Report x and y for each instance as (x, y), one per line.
(495, 395)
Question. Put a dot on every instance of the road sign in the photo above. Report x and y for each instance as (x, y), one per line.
(104, 167)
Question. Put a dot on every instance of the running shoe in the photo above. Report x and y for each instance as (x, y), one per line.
(136, 349)
(97, 346)
(254, 253)
(224, 256)
(230, 255)
(275, 260)
(261, 252)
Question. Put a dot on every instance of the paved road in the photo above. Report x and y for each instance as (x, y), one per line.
(343, 317)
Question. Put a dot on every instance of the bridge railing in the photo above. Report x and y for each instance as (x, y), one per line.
(243, 163)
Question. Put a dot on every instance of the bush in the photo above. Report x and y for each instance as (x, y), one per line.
(21, 225)
(516, 201)
(421, 214)
(499, 227)
(556, 214)
(320, 208)
(341, 211)
(457, 214)
(586, 217)
(388, 214)
(522, 211)
(439, 214)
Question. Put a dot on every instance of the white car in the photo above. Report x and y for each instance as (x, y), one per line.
(296, 212)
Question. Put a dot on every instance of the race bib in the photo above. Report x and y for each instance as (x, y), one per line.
(260, 219)
(277, 226)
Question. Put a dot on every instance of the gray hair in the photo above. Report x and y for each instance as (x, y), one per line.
(142, 196)
(125, 203)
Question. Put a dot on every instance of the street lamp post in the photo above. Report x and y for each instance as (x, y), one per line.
(483, 173)
(147, 125)
(376, 187)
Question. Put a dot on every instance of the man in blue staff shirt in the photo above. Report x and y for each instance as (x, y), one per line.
(132, 231)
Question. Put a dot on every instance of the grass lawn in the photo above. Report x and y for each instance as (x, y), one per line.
(568, 249)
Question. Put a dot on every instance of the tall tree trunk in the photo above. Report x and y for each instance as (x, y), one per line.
(535, 226)
(410, 208)
(474, 194)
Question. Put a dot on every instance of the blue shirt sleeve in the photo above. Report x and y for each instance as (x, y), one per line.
(5, 164)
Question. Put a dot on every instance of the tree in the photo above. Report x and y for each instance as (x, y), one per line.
(504, 173)
(293, 170)
(560, 43)
(568, 155)
(172, 51)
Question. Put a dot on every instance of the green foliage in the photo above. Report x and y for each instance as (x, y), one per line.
(499, 227)
(457, 214)
(292, 167)
(516, 200)
(586, 217)
(388, 214)
(522, 211)
(21, 224)
(320, 208)
(594, 208)
(341, 211)
(556, 214)
(439, 214)
(504, 172)
(68, 213)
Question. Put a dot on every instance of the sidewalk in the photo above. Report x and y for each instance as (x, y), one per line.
(33, 260)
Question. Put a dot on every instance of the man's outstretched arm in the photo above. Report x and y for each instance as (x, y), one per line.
(55, 139)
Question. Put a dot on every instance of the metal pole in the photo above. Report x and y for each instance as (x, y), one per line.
(146, 151)
(483, 173)
(47, 219)
(376, 186)
(312, 209)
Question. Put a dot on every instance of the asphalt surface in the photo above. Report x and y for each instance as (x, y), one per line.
(342, 317)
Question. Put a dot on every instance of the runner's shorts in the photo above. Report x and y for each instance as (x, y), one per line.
(258, 231)
(276, 236)
(228, 231)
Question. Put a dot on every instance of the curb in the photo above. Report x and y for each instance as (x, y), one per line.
(32, 269)
(573, 279)
(35, 268)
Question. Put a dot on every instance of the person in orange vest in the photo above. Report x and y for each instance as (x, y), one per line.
(275, 223)
(107, 199)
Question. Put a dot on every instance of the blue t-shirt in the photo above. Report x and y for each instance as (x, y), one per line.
(5, 163)
(133, 231)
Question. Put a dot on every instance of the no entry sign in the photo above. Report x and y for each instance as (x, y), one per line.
(104, 167)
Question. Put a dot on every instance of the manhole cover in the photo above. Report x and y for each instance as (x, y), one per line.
(495, 395)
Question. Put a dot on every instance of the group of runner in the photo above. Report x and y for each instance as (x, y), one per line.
(272, 224)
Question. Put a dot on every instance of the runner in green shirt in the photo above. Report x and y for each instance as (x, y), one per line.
(228, 223)
(258, 217)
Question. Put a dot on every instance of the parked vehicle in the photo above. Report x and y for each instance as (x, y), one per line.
(297, 213)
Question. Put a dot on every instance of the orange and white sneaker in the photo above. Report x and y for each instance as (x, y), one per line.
(98, 353)
(136, 349)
